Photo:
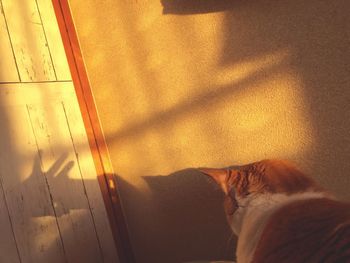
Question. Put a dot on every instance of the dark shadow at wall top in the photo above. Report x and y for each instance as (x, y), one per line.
(186, 7)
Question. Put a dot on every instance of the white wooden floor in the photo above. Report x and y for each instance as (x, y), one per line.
(51, 207)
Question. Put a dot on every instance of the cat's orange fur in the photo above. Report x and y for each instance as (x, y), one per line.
(281, 215)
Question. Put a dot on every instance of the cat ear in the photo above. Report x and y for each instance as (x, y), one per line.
(219, 175)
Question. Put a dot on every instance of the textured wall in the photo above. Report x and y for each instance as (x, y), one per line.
(213, 83)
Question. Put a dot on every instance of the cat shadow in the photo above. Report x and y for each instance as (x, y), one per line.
(190, 204)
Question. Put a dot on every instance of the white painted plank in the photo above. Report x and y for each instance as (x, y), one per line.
(67, 190)
(8, 71)
(54, 39)
(29, 204)
(89, 175)
(28, 40)
(8, 250)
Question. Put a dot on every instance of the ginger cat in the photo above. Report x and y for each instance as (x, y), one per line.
(281, 215)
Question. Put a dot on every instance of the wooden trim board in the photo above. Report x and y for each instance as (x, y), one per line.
(106, 176)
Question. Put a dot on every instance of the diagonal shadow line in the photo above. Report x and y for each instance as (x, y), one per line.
(200, 102)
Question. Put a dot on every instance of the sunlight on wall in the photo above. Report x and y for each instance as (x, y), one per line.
(212, 89)
(175, 106)
(262, 121)
(247, 114)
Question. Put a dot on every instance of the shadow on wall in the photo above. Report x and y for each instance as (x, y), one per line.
(190, 205)
(208, 98)
(318, 35)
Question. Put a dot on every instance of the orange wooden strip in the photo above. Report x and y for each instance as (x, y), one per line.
(106, 176)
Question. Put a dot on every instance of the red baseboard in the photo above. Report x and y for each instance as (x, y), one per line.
(98, 146)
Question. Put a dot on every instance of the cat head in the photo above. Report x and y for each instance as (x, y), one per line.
(244, 183)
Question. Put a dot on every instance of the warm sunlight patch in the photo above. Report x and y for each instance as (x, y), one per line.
(257, 111)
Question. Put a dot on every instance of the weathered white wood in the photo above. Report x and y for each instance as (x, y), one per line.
(28, 40)
(89, 176)
(59, 126)
(51, 209)
(67, 189)
(35, 93)
(8, 71)
(27, 195)
(54, 39)
(8, 250)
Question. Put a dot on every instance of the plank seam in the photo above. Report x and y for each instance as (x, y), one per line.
(47, 183)
(9, 36)
(82, 180)
(11, 223)
(37, 82)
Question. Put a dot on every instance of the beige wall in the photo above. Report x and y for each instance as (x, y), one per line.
(256, 79)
